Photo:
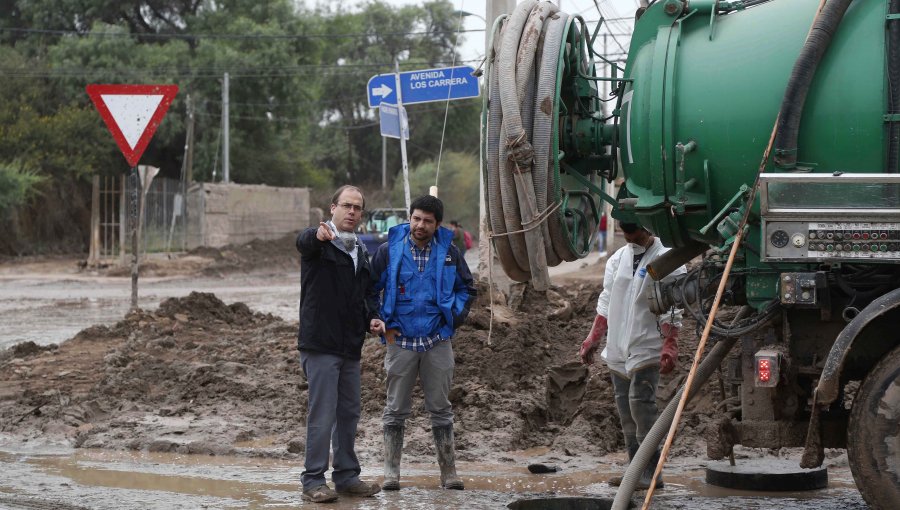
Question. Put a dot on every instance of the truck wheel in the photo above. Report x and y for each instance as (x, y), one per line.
(873, 442)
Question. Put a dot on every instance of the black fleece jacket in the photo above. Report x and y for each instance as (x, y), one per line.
(334, 317)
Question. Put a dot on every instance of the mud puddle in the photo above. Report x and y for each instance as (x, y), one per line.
(51, 311)
(103, 479)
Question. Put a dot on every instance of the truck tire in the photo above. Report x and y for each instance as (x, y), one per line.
(873, 438)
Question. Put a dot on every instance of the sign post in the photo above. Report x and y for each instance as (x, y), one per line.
(132, 113)
(389, 92)
(402, 140)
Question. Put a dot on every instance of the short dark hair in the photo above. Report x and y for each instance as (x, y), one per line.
(345, 187)
(455, 223)
(630, 228)
(429, 204)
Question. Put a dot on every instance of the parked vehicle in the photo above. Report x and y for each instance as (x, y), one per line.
(374, 230)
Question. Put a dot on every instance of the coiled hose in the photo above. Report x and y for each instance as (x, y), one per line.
(659, 430)
(521, 186)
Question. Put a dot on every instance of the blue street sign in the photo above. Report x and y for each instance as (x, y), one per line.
(393, 121)
(423, 86)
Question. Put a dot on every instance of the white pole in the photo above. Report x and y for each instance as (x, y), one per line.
(226, 163)
(403, 128)
(383, 163)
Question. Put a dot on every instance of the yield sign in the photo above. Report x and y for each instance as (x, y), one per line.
(132, 113)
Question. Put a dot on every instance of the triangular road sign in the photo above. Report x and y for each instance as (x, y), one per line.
(132, 113)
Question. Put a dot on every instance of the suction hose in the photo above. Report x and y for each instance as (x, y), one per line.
(659, 430)
(823, 30)
(522, 188)
(893, 152)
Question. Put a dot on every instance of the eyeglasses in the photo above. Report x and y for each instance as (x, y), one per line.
(348, 206)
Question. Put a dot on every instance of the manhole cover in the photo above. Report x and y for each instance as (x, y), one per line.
(562, 503)
(767, 475)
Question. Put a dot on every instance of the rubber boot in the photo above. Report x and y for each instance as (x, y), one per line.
(443, 443)
(617, 480)
(647, 475)
(393, 447)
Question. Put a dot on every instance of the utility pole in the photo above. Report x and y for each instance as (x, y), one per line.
(189, 144)
(226, 163)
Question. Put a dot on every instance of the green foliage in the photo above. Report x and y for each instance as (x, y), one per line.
(457, 187)
(298, 109)
(18, 185)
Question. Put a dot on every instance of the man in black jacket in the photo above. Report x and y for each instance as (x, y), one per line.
(334, 278)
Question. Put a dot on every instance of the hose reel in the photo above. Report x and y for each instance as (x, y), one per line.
(543, 141)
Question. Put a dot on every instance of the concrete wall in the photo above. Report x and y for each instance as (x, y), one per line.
(222, 214)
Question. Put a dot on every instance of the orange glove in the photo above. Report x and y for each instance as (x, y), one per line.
(669, 348)
(590, 344)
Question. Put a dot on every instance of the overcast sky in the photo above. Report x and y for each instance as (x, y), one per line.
(473, 48)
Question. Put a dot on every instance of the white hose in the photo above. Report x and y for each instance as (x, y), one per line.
(543, 123)
(495, 203)
(521, 161)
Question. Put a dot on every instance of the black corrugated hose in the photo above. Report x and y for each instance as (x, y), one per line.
(804, 71)
(893, 51)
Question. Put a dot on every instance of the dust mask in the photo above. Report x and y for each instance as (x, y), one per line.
(637, 249)
(348, 239)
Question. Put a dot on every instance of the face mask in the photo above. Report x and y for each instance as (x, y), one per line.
(637, 249)
(348, 239)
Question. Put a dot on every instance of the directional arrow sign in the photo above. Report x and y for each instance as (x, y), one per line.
(132, 113)
(423, 86)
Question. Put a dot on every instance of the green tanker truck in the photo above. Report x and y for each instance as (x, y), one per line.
(778, 119)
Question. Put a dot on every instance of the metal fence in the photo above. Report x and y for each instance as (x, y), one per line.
(163, 227)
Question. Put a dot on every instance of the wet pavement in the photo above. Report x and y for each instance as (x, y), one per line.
(51, 308)
(99, 479)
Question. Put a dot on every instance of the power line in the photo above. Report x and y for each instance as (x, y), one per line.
(597, 4)
(210, 35)
(216, 72)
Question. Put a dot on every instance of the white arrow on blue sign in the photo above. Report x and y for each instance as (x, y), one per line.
(393, 121)
(425, 86)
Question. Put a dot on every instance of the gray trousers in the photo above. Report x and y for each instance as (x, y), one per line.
(334, 396)
(434, 368)
(636, 402)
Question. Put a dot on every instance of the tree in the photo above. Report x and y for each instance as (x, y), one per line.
(298, 108)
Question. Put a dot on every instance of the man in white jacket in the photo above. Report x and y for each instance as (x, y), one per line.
(640, 345)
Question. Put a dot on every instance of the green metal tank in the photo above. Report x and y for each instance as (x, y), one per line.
(714, 83)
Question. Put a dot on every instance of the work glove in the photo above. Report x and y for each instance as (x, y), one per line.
(669, 348)
(590, 344)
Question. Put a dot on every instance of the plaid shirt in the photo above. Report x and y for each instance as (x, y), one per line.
(420, 256)
(422, 343)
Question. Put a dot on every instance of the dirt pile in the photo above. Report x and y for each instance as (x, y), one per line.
(200, 376)
(272, 256)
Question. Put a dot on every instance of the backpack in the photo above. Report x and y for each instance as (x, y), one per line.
(468, 239)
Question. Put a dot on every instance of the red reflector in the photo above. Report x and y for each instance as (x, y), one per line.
(764, 370)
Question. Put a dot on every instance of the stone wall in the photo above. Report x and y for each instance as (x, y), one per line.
(221, 214)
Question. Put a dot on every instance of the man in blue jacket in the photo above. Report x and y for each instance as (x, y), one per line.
(427, 290)
(335, 279)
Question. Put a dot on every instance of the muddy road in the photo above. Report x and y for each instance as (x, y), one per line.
(61, 479)
(198, 402)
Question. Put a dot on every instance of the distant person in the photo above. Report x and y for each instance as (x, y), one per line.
(427, 290)
(601, 238)
(335, 277)
(459, 237)
(640, 345)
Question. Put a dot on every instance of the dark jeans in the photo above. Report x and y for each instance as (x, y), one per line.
(334, 395)
(636, 402)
